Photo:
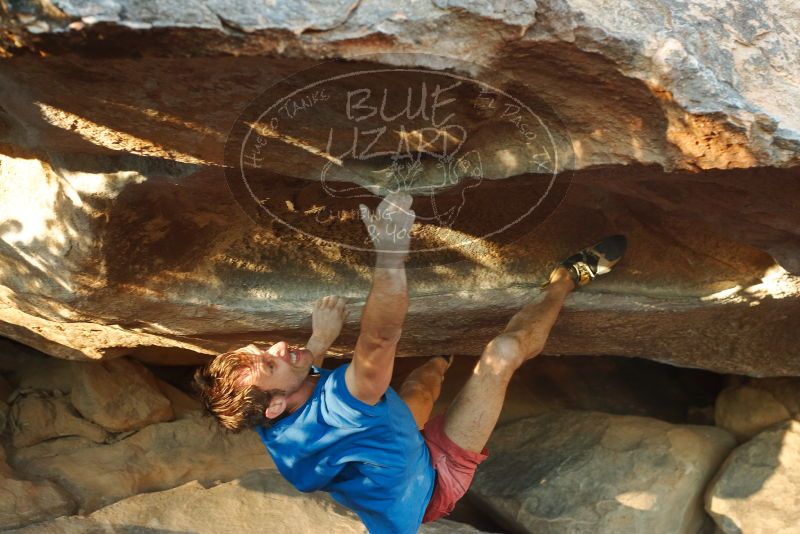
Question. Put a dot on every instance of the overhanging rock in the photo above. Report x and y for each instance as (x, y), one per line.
(120, 233)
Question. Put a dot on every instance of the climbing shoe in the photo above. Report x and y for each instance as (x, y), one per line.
(598, 259)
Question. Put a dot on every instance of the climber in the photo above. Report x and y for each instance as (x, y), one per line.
(346, 431)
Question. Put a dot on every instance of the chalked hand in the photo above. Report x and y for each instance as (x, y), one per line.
(389, 226)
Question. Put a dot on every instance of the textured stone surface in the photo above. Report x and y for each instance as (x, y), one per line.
(26, 502)
(160, 456)
(195, 275)
(711, 76)
(757, 490)
(119, 395)
(584, 472)
(120, 235)
(258, 500)
(29, 369)
(182, 404)
(785, 390)
(51, 448)
(39, 417)
(746, 410)
(6, 389)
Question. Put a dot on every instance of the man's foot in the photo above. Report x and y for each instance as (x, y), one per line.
(596, 260)
(445, 361)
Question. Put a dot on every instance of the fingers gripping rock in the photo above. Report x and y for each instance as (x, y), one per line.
(389, 227)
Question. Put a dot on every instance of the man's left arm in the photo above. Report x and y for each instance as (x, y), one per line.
(370, 372)
(327, 318)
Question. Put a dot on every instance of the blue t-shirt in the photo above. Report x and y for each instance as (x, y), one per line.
(371, 459)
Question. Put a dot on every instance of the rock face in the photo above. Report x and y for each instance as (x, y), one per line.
(160, 456)
(584, 472)
(724, 68)
(746, 410)
(120, 233)
(119, 395)
(127, 231)
(37, 418)
(756, 490)
(258, 501)
(27, 502)
(88, 466)
(182, 404)
(92, 474)
(86, 399)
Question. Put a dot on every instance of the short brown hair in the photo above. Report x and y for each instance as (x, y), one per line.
(235, 407)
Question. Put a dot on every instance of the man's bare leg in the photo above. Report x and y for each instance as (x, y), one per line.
(422, 387)
(473, 415)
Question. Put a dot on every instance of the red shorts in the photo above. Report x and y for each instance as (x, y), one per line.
(455, 468)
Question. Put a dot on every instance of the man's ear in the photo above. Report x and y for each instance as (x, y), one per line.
(277, 405)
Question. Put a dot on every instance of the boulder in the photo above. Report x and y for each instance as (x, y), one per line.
(757, 488)
(158, 457)
(587, 472)
(26, 502)
(122, 394)
(745, 410)
(786, 390)
(51, 448)
(39, 417)
(27, 368)
(258, 501)
(120, 234)
(119, 395)
(182, 404)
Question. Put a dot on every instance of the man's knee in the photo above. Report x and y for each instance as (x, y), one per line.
(416, 391)
(507, 352)
(503, 351)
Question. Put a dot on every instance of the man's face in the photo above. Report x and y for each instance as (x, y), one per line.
(278, 367)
